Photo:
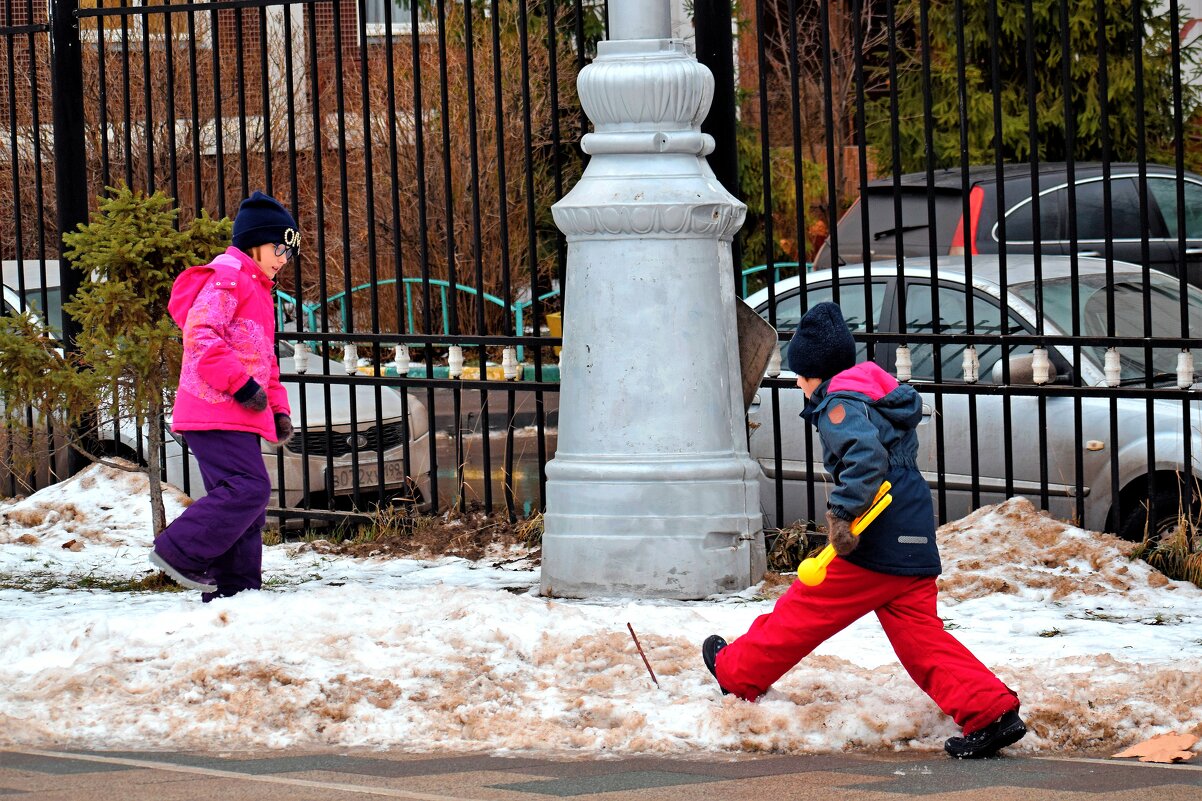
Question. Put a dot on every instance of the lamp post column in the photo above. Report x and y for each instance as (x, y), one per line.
(652, 491)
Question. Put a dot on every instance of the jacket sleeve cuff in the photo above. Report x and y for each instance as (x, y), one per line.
(841, 513)
(247, 392)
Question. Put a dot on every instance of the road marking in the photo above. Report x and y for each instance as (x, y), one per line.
(1114, 762)
(231, 774)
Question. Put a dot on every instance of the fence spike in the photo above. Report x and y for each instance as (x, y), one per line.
(971, 365)
(400, 359)
(1114, 370)
(904, 365)
(300, 357)
(774, 363)
(1040, 365)
(1185, 369)
(509, 363)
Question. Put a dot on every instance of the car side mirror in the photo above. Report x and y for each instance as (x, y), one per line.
(1022, 370)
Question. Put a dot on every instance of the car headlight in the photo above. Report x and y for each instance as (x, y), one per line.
(419, 423)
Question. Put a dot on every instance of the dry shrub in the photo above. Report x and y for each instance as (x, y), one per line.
(469, 535)
(531, 531)
(1176, 554)
(791, 545)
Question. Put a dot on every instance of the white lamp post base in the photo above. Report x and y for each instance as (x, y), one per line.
(652, 491)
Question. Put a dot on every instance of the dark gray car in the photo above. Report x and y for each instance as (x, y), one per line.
(970, 210)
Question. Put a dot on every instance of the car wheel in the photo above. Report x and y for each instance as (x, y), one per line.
(120, 450)
(1158, 517)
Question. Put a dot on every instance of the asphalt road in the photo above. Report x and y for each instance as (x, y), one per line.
(50, 774)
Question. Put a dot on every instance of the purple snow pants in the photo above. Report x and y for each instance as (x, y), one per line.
(222, 533)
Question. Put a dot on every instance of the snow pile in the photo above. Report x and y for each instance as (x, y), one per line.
(1096, 644)
(93, 526)
(454, 654)
(1013, 548)
(102, 505)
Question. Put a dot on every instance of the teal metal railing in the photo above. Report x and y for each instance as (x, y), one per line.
(776, 272)
(311, 308)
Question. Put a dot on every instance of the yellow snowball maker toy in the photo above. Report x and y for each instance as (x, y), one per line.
(812, 571)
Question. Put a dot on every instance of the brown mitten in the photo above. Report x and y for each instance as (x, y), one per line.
(838, 531)
(252, 396)
(283, 429)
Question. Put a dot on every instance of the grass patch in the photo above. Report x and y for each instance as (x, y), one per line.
(531, 531)
(47, 581)
(1177, 554)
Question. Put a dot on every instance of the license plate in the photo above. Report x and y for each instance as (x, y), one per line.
(369, 476)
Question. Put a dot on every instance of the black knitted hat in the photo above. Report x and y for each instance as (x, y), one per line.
(822, 345)
(262, 220)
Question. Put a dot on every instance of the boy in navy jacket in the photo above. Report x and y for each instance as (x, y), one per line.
(866, 422)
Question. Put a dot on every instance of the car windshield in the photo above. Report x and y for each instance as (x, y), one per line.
(32, 300)
(53, 313)
(1163, 296)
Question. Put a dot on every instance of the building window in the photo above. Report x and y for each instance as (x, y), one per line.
(377, 24)
(156, 23)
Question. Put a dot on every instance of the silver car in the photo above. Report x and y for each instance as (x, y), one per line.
(1101, 449)
(329, 459)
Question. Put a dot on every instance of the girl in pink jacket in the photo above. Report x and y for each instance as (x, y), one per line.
(229, 396)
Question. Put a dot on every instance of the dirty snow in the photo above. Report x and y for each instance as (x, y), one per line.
(453, 654)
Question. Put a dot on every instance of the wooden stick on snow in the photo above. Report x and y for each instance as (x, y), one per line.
(645, 662)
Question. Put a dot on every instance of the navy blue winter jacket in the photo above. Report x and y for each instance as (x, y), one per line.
(867, 423)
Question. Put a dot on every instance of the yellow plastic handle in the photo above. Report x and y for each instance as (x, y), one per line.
(812, 571)
(879, 503)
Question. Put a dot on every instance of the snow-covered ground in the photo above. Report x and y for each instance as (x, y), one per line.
(453, 654)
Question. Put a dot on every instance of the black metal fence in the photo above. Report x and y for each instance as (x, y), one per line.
(1043, 154)
(422, 144)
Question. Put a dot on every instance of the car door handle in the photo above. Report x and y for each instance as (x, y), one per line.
(1091, 254)
(1193, 251)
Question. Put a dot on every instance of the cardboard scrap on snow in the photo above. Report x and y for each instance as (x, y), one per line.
(1165, 748)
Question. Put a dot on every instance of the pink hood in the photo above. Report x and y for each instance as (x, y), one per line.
(227, 314)
(867, 378)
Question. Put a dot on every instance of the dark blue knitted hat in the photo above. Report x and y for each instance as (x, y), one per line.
(262, 220)
(822, 345)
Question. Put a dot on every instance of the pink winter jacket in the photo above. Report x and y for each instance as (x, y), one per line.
(226, 311)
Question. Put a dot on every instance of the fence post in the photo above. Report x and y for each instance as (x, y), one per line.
(712, 21)
(70, 157)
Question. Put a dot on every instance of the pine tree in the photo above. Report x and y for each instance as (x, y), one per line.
(1038, 41)
(41, 396)
(130, 253)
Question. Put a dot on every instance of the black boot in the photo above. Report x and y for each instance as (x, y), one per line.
(1004, 731)
(709, 653)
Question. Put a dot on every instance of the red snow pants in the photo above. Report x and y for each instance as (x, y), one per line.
(806, 616)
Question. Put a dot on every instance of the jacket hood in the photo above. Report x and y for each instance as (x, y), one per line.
(899, 403)
(189, 283)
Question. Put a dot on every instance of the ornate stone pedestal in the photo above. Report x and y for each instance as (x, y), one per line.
(652, 491)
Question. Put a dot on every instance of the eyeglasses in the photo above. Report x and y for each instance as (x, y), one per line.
(286, 250)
